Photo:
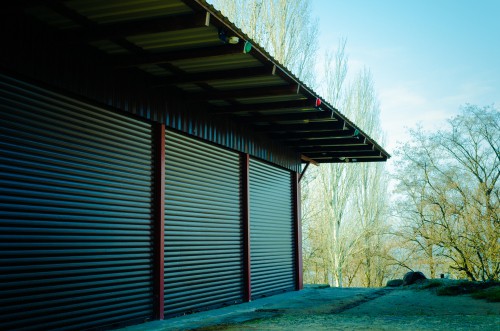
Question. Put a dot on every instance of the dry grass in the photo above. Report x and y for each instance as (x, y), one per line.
(491, 294)
(489, 291)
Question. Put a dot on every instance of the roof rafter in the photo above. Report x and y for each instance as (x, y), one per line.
(245, 93)
(127, 61)
(313, 135)
(87, 24)
(215, 75)
(152, 25)
(350, 160)
(331, 124)
(305, 116)
(326, 149)
(331, 143)
(350, 154)
(304, 104)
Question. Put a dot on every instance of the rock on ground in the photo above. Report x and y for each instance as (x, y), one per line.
(412, 277)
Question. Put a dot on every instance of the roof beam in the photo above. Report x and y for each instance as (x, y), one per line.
(299, 144)
(328, 149)
(313, 135)
(353, 160)
(71, 14)
(308, 160)
(214, 75)
(303, 127)
(304, 116)
(245, 93)
(351, 154)
(86, 23)
(127, 61)
(292, 105)
(153, 25)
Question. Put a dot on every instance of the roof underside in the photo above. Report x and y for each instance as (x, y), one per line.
(177, 43)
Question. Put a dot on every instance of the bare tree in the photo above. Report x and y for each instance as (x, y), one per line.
(326, 191)
(448, 186)
(284, 28)
(371, 195)
(336, 184)
(351, 199)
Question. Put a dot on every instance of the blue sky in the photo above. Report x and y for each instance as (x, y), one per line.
(427, 57)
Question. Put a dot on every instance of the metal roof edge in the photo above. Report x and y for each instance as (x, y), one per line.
(204, 5)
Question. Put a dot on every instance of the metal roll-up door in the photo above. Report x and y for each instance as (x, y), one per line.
(272, 244)
(75, 213)
(203, 226)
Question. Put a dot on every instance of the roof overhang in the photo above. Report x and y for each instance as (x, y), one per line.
(189, 46)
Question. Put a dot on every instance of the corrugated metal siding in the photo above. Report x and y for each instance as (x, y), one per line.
(75, 213)
(271, 229)
(230, 136)
(203, 226)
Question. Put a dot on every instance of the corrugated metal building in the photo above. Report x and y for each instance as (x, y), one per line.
(149, 168)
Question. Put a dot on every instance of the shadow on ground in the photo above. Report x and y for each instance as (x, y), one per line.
(317, 308)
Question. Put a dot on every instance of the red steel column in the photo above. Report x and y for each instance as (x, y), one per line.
(299, 284)
(159, 220)
(245, 195)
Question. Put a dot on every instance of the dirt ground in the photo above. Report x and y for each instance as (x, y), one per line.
(386, 309)
(319, 308)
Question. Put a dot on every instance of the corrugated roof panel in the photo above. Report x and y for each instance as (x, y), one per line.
(262, 121)
(250, 82)
(302, 121)
(155, 70)
(51, 17)
(109, 47)
(271, 98)
(219, 103)
(288, 111)
(174, 40)
(109, 11)
(214, 63)
(190, 87)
